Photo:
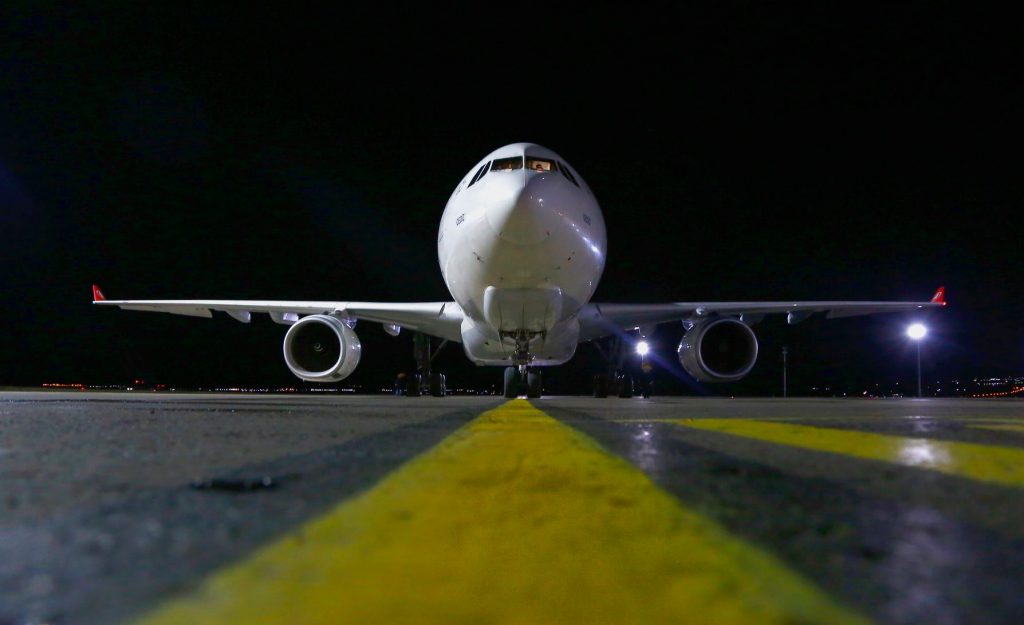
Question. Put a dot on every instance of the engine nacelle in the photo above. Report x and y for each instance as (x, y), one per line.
(718, 350)
(321, 348)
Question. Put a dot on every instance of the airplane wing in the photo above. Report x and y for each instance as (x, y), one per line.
(442, 319)
(597, 320)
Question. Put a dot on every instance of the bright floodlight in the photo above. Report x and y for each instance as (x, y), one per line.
(917, 331)
(642, 348)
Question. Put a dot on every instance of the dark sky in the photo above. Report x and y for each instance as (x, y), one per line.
(740, 151)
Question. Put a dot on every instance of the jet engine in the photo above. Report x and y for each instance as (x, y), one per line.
(718, 350)
(321, 348)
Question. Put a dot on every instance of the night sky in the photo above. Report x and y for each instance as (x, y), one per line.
(741, 151)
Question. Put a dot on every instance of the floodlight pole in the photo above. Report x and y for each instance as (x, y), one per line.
(919, 395)
(785, 390)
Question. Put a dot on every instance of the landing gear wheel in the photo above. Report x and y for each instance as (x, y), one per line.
(600, 385)
(413, 386)
(533, 384)
(437, 385)
(512, 381)
(625, 386)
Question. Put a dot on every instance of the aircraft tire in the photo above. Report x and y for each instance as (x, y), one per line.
(533, 384)
(600, 385)
(413, 386)
(511, 382)
(436, 385)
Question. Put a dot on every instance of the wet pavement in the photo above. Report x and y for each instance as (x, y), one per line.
(117, 507)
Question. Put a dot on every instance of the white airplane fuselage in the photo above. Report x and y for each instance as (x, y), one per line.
(522, 246)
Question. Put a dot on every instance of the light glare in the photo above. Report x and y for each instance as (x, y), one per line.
(917, 331)
(642, 348)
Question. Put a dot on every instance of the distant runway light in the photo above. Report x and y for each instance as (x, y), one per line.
(917, 331)
(642, 348)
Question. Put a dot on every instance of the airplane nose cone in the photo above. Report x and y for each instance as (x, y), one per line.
(523, 218)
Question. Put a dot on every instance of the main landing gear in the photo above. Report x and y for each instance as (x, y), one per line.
(615, 384)
(434, 383)
(521, 380)
(614, 381)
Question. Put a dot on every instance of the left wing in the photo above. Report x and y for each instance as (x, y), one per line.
(597, 320)
(442, 319)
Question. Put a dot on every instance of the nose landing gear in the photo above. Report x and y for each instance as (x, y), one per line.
(522, 381)
(533, 384)
(512, 381)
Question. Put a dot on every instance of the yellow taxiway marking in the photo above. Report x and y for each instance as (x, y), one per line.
(989, 463)
(513, 519)
(1000, 427)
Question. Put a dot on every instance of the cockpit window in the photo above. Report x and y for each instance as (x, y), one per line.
(568, 174)
(479, 174)
(540, 164)
(507, 164)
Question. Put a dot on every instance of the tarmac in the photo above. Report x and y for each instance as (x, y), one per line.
(202, 508)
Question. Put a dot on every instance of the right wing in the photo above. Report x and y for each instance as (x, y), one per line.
(441, 319)
(597, 320)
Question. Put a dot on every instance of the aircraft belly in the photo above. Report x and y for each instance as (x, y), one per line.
(484, 347)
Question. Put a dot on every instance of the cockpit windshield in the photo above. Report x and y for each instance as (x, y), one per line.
(506, 164)
(540, 164)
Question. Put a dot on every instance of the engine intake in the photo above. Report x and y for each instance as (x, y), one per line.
(718, 350)
(321, 348)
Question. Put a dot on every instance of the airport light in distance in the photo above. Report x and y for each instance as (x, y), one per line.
(643, 348)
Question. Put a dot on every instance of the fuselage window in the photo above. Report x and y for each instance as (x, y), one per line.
(568, 174)
(540, 164)
(507, 164)
(479, 174)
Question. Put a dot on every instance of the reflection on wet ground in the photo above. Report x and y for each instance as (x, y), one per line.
(902, 511)
(893, 538)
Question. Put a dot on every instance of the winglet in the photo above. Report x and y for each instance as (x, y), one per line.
(940, 296)
(97, 295)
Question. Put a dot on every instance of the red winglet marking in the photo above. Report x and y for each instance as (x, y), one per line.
(940, 296)
(97, 295)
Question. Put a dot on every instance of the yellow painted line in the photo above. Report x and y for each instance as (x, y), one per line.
(513, 519)
(1000, 427)
(989, 463)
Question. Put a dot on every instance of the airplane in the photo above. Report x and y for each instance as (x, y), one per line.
(521, 246)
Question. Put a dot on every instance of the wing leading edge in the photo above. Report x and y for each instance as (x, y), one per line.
(442, 319)
(597, 320)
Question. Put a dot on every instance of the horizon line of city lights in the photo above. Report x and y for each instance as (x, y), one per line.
(140, 386)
